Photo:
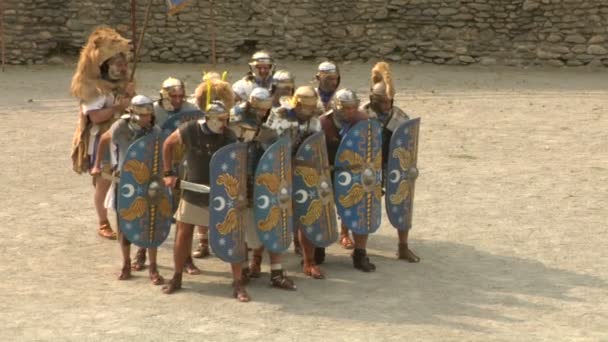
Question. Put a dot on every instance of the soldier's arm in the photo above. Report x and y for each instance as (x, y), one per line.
(102, 145)
(168, 146)
(102, 115)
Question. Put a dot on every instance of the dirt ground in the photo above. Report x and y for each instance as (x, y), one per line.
(510, 221)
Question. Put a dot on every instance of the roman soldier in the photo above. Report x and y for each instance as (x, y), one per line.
(261, 68)
(328, 78)
(139, 122)
(249, 124)
(201, 138)
(381, 107)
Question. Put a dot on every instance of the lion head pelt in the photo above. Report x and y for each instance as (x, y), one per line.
(381, 72)
(220, 91)
(102, 44)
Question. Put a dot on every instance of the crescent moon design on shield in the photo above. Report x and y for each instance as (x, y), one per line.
(222, 203)
(130, 190)
(394, 176)
(347, 178)
(304, 197)
(265, 202)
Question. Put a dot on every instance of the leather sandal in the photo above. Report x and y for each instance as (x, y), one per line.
(155, 277)
(202, 251)
(140, 260)
(173, 285)
(255, 269)
(313, 271)
(346, 242)
(404, 253)
(280, 280)
(125, 272)
(191, 267)
(105, 231)
(239, 292)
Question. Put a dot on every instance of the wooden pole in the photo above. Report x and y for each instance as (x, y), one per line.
(141, 39)
(213, 37)
(134, 24)
(2, 37)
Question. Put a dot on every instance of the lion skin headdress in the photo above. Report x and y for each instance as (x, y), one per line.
(220, 91)
(382, 80)
(103, 44)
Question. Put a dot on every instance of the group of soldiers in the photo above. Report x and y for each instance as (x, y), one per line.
(255, 165)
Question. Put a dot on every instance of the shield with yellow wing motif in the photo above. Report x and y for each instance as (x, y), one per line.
(358, 177)
(401, 173)
(227, 202)
(272, 192)
(144, 203)
(313, 199)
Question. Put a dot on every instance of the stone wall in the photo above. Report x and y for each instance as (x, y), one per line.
(511, 32)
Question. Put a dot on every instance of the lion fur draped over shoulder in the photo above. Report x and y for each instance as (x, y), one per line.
(103, 44)
(220, 91)
(87, 85)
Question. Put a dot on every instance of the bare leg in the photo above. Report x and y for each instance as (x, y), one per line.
(309, 267)
(125, 248)
(189, 264)
(155, 277)
(140, 259)
(181, 252)
(404, 253)
(239, 291)
(256, 264)
(202, 250)
(345, 240)
(101, 189)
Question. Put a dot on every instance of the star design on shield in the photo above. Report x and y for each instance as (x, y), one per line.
(133, 154)
(230, 252)
(264, 167)
(230, 204)
(355, 224)
(222, 242)
(224, 167)
(399, 142)
(270, 156)
(356, 132)
(347, 213)
(233, 155)
(142, 144)
(136, 236)
(266, 237)
(309, 229)
(319, 237)
(312, 193)
(128, 226)
(394, 210)
(349, 143)
(307, 147)
(400, 220)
